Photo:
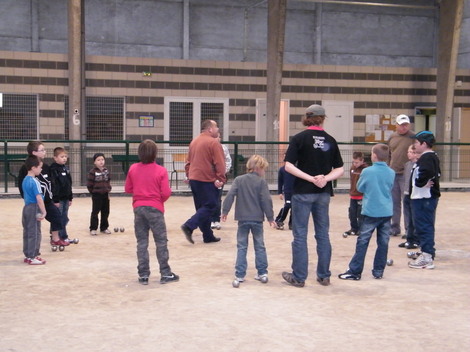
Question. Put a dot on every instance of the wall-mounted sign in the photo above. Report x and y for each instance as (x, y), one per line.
(146, 121)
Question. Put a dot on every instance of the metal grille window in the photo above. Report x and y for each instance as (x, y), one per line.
(183, 117)
(19, 116)
(104, 118)
(213, 111)
(181, 125)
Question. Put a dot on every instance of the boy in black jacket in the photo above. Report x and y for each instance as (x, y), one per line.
(424, 195)
(61, 187)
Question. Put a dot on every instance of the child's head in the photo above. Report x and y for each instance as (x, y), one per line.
(36, 148)
(33, 163)
(60, 155)
(147, 151)
(99, 160)
(380, 152)
(412, 156)
(358, 159)
(424, 141)
(256, 163)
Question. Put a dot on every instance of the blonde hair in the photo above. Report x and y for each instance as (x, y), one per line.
(256, 161)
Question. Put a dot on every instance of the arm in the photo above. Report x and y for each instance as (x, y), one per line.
(165, 186)
(41, 206)
(90, 180)
(318, 180)
(228, 159)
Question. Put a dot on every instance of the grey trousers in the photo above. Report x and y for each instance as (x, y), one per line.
(150, 219)
(31, 231)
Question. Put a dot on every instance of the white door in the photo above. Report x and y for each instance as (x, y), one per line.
(339, 119)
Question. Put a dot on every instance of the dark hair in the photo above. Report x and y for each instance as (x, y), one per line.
(33, 146)
(313, 120)
(425, 137)
(358, 155)
(147, 151)
(97, 155)
(32, 161)
(381, 151)
(59, 150)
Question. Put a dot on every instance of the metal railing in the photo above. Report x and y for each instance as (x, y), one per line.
(455, 158)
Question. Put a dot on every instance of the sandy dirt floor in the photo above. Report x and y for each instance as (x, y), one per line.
(87, 298)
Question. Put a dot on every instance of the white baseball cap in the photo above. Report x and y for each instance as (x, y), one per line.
(401, 119)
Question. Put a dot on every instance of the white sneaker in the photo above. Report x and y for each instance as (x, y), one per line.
(217, 225)
(106, 232)
(93, 232)
(424, 261)
(212, 225)
(35, 261)
(263, 278)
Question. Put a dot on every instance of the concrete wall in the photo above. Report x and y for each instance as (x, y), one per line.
(234, 31)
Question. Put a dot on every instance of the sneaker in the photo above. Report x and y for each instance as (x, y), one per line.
(188, 233)
(349, 276)
(217, 225)
(279, 225)
(236, 282)
(350, 232)
(424, 261)
(263, 278)
(289, 277)
(93, 232)
(403, 237)
(35, 261)
(403, 244)
(169, 278)
(60, 242)
(107, 232)
(378, 277)
(212, 225)
(42, 260)
(144, 280)
(323, 281)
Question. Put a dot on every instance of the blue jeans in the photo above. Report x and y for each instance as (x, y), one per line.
(303, 205)
(261, 259)
(150, 219)
(354, 212)
(424, 217)
(205, 196)
(64, 215)
(369, 224)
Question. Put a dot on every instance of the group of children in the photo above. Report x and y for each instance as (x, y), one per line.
(47, 193)
(370, 206)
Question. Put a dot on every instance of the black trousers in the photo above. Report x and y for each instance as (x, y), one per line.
(100, 205)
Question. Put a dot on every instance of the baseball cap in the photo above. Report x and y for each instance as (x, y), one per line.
(401, 119)
(315, 110)
(425, 136)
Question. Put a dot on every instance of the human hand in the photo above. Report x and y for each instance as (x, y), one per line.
(320, 181)
(281, 196)
(223, 217)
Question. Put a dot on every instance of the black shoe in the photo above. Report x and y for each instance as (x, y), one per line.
(144, 280)
(403, 237)
(349, 276)
(403, 245)
(215, 239)
(411, 245)
(293, 281)
(324, 282)
(188, 233)
(378, 277)
(169, 278)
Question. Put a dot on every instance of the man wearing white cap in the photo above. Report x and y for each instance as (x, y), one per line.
(398, 143)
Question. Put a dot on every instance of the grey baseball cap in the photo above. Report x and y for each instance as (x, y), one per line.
(315, 110)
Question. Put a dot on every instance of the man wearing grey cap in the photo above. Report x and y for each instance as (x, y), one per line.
(314, 158)
(398, 143)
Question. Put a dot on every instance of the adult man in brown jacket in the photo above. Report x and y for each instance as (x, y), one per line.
(205, 169)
